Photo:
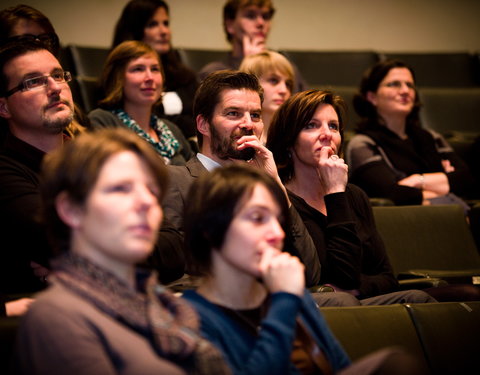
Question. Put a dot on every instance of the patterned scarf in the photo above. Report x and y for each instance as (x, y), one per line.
(167, 146)
(152, 311)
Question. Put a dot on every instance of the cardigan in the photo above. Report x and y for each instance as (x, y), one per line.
(269, 352)
(351, 251)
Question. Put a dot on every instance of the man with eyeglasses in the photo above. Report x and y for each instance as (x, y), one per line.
(36, 106)
(246, 24)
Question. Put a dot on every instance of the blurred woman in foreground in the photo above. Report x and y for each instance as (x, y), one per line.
(102, 315)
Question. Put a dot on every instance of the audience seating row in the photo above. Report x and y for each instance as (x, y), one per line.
(443, 336)
(429, 242)
(336, 68)
(345, 68)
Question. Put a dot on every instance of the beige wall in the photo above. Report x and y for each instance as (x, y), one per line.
(382, 25)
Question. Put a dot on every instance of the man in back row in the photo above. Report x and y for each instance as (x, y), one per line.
(247, 24)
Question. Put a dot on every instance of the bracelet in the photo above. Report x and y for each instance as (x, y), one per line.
(422, 181)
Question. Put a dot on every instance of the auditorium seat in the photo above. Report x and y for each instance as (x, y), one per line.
(196, 59)
(88, 61)
(86, 66)
(336, 68)
(451, 111)
(443, 336)
(89, 92)
(449, 334)
(441, 69)
(429, 241)
(364, 329)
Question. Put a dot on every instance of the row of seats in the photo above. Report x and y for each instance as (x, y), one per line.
(449, 83)
(444, 336)
(344, 68)
(427, 244)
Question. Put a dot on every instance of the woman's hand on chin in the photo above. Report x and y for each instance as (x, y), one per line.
(282, 272)
(332, 171)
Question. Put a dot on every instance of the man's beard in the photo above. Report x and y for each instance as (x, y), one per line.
(226, 147)
(57, 124)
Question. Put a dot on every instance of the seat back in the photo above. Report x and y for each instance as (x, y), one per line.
(449, 334)
(86, 66)
(339, 68)
(441, 69)
(196, 59)
(88, 90)
(428, 239)
(87, 61)
(364, 329)
(451, 111)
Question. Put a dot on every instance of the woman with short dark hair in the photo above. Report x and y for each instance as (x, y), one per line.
(251, 297)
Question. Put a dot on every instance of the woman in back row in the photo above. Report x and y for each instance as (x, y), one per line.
(393, 156)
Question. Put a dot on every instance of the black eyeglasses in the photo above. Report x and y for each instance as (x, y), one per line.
(49, 40)
(40, 81)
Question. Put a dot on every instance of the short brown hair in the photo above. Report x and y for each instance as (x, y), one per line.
(113, 75)
(212, 203)
(291, 118)
(74, 169)
(231, 8)
(208, 94)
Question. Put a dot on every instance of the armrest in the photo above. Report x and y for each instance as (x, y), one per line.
(421, 283)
